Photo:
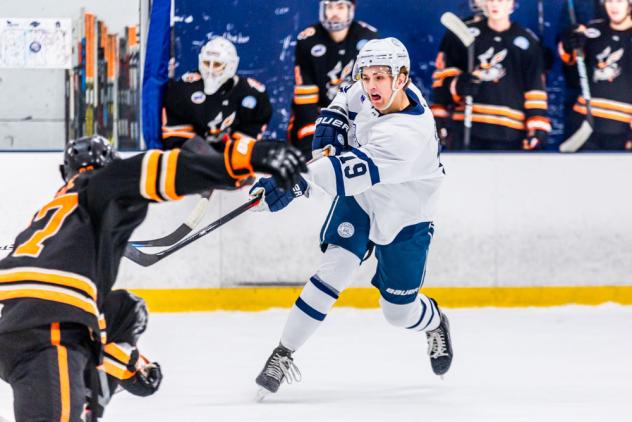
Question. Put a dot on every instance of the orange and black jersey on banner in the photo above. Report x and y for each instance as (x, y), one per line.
(608, 55)
(512, 98)
(321, 65)
(66, 262)
(240, 105)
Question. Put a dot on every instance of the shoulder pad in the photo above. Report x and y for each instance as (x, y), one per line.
(367, 26)
(256, 84)
(306, 33)
(191, 77)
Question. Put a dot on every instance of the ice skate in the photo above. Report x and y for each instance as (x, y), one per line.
(278, 368)
(440, 345)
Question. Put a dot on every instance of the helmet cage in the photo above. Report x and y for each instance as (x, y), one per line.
(335, 26)
(217, 50)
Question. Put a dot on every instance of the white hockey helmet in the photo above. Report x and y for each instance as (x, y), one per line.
(217, 62)
(335, 26)
(384, 52)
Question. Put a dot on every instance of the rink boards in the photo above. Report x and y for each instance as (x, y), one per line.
(513, 230)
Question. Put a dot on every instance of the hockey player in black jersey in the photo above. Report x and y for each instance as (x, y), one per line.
(607, 45)
(507, 84)
(324, 57)
(214, 101)
(56, 282)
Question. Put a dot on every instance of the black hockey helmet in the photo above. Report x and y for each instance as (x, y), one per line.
(87, 153)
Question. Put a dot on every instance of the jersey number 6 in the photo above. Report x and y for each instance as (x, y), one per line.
(63, 205)
(356, 170)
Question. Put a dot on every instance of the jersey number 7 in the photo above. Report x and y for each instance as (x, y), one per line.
(63, 206)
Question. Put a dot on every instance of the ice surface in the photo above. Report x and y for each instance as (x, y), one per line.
(536, 365)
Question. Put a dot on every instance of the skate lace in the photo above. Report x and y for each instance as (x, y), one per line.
(436, 344)
(282, 367)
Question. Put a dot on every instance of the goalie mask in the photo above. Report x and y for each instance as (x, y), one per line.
(334, 26)
(217, 62)
(388, 52)
(85, 154)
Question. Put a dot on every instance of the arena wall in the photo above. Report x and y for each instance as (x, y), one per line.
(513, 229)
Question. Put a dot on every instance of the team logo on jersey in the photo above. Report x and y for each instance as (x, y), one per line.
(337, 76)
(346, 230)
(474, 31)
(522, 42)
(256, 84)
(491, 68)
(249, 102)
(219, 125)
(35, 47)
(306, 33)
(198, 97)
(608, 68)
(592, 33)
(319, 50)
(191, 77)
(361, 44)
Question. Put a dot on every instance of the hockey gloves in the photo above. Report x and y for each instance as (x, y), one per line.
(467, 84)
(145, 381)
(535, 140)
(332, 129)
(282, 161)
(574, 39)
(273, 199)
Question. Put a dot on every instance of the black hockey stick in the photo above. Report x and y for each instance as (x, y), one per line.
(145, 259)
(185, 228)
(458, 28)
(579, 138)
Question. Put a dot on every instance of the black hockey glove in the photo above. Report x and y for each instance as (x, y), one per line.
(332, 128)
(575, 38)
(535, 140)
(467, 84)
(145, 381)
(282, 161)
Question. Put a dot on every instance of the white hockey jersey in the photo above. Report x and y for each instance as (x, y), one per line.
(393, 169)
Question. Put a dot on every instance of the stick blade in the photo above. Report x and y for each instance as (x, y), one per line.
(168, 240)
(456, 26)
(577, 139)
(140, 258)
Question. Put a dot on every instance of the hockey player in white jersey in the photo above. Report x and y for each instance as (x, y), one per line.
(385, 179)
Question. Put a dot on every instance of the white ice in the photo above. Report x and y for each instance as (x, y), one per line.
(536, 365)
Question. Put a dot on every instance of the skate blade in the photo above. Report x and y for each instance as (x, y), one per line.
(262, 393)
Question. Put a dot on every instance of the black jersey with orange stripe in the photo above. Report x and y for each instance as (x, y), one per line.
(608, 55)
(240, 105)
(66, 262)
(321, 66)
(512, 98)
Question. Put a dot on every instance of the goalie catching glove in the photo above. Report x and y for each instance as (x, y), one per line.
(332, 131)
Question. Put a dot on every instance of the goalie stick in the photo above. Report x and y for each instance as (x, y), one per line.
(458, 28)
(144, 259)
(579, 138)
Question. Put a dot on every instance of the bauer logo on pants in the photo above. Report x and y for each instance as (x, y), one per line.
(346, 230)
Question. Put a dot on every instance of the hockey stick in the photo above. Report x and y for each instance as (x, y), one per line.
(145, 259)
(458, 28)
(579, 138)
(184, 229)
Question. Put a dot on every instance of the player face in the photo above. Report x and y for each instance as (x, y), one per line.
(617, 10)
(337, 11)
(216, 68)
(499, 9)
(378, 84)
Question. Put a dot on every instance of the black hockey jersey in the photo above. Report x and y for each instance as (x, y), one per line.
(512, 98)
(321, 65)
(66, 262)
(608, 55)
(240, 105)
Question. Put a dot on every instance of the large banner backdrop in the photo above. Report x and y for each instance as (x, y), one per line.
(265, 34)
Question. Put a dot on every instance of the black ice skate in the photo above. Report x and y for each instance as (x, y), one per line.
(278, 368)
(440, 345)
